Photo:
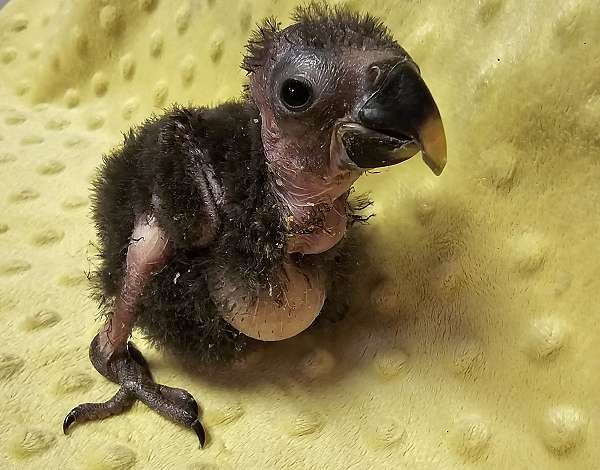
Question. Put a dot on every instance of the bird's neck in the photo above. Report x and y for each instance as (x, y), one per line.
(312, 204)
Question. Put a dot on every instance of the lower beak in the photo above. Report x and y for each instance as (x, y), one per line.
(396, 122)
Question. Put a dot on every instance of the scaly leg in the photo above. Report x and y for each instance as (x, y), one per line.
(118, 360)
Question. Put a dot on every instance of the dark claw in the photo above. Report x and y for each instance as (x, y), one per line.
(197, 427)
(69, 419)
(194, 406)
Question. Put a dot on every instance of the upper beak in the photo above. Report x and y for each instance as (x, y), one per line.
(398, 120)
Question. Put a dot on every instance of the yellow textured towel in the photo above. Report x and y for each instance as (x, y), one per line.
(475, 340)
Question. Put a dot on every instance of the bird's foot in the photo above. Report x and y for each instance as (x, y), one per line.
(131, 371)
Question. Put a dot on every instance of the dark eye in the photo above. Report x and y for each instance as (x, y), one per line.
(295, 94)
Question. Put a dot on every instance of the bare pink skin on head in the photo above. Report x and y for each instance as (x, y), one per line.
(310, 169)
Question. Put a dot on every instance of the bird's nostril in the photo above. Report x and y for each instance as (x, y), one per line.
(374, 75)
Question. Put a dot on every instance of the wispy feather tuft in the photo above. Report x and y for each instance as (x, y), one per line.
(319, 26)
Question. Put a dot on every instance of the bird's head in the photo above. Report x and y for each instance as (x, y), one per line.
(337, 95)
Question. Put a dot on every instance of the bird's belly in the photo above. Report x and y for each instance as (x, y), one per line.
(261, 317)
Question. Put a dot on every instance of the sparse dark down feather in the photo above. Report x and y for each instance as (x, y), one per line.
(321, 26)
(176, 310)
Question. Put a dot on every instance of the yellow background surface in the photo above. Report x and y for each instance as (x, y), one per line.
(474, 344)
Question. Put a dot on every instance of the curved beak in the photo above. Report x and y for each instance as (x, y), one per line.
(397, 121)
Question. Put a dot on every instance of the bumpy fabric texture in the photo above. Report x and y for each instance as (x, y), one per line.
(475, 328)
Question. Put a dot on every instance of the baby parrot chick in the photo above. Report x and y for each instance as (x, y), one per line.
(219, 226)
